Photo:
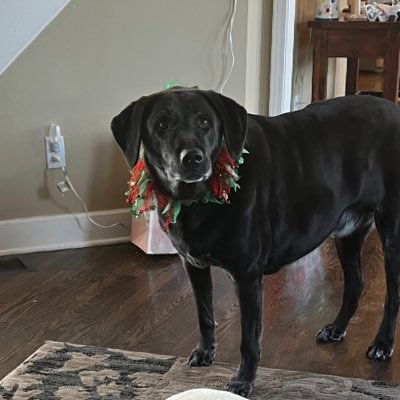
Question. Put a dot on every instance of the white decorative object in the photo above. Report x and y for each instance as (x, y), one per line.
(328, 10)
(149, 236)
(205, 394)
(371, 11)
(389, 11)
(381, 12)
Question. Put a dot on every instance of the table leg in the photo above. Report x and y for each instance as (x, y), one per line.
(391, 72)
(352, 76)
(320, 66)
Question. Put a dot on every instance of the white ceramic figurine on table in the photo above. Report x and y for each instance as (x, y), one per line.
(327, 10)
(381, 12)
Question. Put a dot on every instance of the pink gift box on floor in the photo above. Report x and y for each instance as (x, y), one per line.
(148, 235)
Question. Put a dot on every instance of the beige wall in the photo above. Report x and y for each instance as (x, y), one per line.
(88, 64)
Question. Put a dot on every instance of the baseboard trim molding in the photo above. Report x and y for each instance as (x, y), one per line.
(65, 231)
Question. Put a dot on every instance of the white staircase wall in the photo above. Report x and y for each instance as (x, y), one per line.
(20, 22)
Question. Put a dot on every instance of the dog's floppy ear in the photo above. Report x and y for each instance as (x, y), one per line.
(126, 128)
(233, 119)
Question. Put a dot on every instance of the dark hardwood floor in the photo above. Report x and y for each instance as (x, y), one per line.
(115, 296)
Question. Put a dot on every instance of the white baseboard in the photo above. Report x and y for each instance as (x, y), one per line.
(66, 231)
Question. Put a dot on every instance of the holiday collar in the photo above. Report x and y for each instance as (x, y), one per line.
(142, 196)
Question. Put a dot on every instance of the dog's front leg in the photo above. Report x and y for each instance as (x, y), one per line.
(200, 279)
(250, 292)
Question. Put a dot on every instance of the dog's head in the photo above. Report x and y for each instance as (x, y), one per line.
(181, 131)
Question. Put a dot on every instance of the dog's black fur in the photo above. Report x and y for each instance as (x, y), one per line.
(332, 168)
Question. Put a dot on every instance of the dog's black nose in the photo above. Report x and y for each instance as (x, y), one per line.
(191, 157)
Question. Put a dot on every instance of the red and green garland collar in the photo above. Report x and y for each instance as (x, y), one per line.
(142, 197)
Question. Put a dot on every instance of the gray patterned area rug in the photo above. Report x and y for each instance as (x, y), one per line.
(74, 372)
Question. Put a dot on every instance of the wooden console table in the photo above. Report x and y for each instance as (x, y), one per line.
(353, 40)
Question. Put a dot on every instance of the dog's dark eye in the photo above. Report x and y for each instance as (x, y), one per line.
(163, 124)
(204, 122)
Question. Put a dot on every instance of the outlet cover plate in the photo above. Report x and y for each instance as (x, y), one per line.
(51, 163)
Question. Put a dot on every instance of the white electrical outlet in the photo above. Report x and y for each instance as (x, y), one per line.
(55, 150)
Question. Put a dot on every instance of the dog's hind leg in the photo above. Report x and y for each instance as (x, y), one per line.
(200, 279)
(388, 225)
(349, 252)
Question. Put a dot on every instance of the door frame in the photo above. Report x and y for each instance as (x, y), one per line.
(283, 23)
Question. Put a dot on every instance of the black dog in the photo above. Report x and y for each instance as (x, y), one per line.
(332, 168)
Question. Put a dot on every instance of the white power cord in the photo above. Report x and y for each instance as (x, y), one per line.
(85, 207)
(229, 40)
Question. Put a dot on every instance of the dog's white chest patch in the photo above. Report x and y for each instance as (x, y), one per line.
(196, 261)
(347, 224)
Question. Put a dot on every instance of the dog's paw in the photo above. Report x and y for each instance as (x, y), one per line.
(331, 333)
(379, 352)
(242, 388)
(202, 357)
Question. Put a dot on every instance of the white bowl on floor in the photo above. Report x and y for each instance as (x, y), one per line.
(205, 394)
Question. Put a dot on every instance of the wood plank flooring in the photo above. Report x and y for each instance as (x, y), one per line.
(116, 296)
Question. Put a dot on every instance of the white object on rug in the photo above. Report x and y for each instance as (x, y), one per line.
(205, 394)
